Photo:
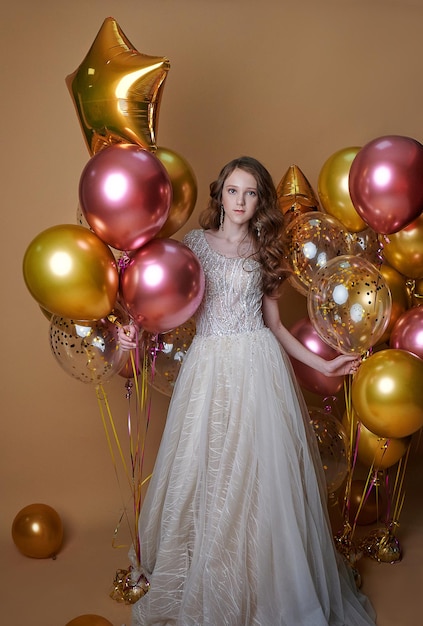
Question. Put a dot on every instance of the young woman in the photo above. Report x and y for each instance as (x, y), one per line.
(234, 529)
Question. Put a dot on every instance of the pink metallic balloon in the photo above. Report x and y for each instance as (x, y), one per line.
(385, 182)
(125, 195)
(163, 285)
(407, 333)
(308, 377)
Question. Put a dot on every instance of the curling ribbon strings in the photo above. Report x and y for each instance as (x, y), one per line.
(371, 481)
(353, 447)
(105, 408)
(398, 496)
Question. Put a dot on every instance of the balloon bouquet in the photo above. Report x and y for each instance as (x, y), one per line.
(119, 264)
(359, 262)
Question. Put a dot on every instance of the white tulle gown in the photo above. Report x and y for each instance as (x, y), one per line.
(232, 530)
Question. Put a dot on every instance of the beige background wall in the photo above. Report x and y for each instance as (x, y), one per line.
(287, 82)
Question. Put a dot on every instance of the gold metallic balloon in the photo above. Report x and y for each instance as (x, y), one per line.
(117, 91)
(404, 249)
(295, 194)
(89, 620)
(380, 452)
(372, 450)
(37, 531)
(70, 272)
(184, 190)
(368, 511)
(398, 287)
(333, 189)
(387, 393)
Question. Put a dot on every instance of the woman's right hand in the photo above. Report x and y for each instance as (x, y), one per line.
(127, 337)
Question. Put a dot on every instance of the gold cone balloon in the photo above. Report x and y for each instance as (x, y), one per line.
(295, 194)
(117, 91)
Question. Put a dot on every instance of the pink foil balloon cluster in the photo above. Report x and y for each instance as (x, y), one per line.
(125, 195)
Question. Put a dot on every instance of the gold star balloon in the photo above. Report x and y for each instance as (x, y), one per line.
(295, 194)
(117, 91)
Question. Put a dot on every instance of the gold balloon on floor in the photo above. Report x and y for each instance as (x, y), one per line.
(334, 192)
(295, 194)
(387, 393)
(117, 91)
(89, 620)
(184, 190)
(37, 531)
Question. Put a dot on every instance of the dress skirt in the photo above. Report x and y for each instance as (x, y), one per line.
(234, 529)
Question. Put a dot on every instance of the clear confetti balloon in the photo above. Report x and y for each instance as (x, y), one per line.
(88, 351)
(167, 355)
(313, 239)
(349, 304)
(332, 442)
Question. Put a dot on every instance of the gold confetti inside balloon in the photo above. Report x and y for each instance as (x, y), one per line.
(349, 304)
(117, 91)
(89, 352)
(332, 442)
(313, 239)
(167, 355)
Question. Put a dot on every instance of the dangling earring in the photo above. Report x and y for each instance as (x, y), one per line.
(258, 228)
(222, 217)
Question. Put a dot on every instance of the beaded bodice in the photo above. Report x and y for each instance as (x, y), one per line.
(233, 294)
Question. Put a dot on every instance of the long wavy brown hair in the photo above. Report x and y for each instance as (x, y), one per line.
(269, 246)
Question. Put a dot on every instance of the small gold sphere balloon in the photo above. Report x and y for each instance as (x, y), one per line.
(37, 531)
